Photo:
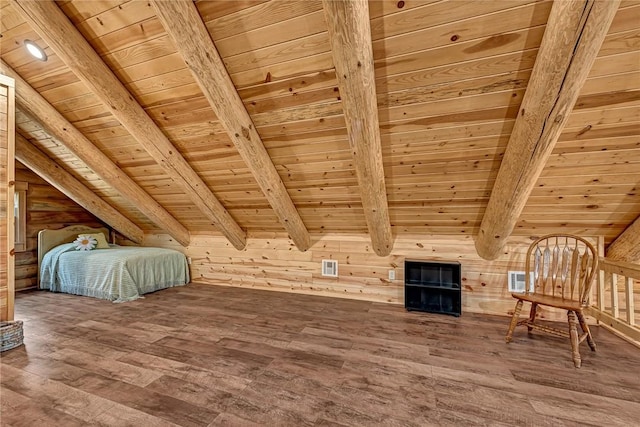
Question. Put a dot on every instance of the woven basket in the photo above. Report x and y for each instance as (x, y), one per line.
(11, 335)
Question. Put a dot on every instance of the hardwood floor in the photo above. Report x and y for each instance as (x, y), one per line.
(206, 355)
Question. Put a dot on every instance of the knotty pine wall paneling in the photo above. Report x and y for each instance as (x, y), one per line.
(272, 262)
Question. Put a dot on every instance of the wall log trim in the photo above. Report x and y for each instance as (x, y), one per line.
(350, 36)
(192, 40)
(42, 165)
(54, 27)
(572, 39)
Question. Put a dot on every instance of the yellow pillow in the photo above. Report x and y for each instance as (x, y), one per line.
(102, 241)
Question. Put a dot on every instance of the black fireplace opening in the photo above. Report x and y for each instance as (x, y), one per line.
(433, 286)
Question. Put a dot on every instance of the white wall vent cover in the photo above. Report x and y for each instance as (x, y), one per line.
(330, 268)
(517, 282)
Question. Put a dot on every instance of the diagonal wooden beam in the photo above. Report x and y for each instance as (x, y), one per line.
(350, 36)
(31, 103)
(46, 168)
(626, 247)
(575, 31)
(184, 25)
(59, 33)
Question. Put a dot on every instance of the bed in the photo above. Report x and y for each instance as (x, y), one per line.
(116, 273)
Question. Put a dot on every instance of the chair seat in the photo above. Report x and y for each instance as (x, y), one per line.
(549, 300)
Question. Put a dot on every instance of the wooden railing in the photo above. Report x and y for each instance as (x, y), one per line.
(617, 298)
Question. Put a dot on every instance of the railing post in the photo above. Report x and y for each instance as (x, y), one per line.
(615, 312)
(628, 288)
(601, 288)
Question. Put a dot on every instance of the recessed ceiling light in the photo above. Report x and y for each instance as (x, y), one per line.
(35, 50)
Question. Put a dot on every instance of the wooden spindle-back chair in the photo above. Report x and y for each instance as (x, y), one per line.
(560, 269)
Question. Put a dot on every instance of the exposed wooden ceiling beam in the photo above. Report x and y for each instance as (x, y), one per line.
(575, 31)
(184, 25)
(31, 103)
(626, 247)
(66, 41)
(350, 36)
(46, 168)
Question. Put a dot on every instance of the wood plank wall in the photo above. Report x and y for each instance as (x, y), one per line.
(273, 263)
(4, 244)
(7, 187)
(46, 208)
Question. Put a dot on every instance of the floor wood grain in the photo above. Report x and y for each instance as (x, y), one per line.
(205, 355)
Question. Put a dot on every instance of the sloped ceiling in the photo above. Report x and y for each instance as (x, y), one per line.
(450, 77)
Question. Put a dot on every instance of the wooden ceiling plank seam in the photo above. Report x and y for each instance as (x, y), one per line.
(619, 42)
(184, 24)
(509, 81)
(293, 50)
(626, 18)
(573, 37)
(623, 62)
(79, 11)
(52, 25)
(633, 53)
(318, 63)
(145, 30)
(459, 71)
(350, 37)
(30, 102)
(63, 181)
(434, 15)
(472, 27)
(111, 20)
(472, 102)
(619, 82)
(482, 48)
(213, 10)
(379, 9)
(270, 35)
(259, 16)
(160, 82)
(300, 84)
(157, 49)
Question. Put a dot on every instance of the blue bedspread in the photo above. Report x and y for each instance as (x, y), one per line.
(121, 273)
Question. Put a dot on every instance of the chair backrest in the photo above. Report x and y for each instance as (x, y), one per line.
(562, 265)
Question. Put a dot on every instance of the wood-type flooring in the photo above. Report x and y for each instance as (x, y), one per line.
(208, 355)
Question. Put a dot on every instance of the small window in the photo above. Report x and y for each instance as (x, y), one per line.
(20, 212)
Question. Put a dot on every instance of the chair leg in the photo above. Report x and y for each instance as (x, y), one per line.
(532, 314)
(573, 333)
(585, 329)
(514, 320)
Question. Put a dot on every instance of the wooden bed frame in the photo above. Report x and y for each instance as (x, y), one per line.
(49, 239)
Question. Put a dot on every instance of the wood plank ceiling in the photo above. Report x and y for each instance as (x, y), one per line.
(449, 75)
